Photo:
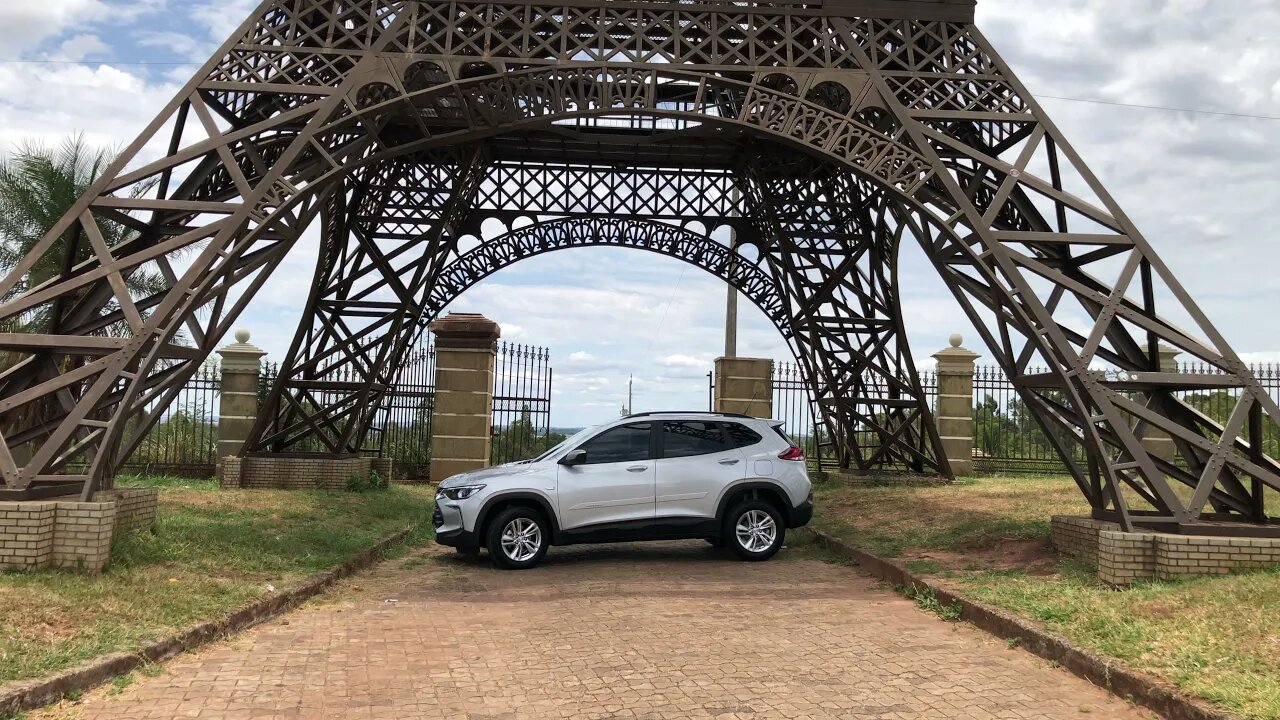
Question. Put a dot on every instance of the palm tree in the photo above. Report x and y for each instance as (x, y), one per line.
(38, 185)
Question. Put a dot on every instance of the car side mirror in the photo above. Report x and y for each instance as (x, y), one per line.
(577, 456)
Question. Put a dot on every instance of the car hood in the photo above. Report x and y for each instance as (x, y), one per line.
(477, 476)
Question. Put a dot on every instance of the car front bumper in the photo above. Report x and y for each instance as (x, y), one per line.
(451, 529)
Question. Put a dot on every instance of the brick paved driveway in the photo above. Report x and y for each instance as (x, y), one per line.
(673, 630)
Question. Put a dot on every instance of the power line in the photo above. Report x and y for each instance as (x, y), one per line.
(1091, 101)
(132, 63)
(1219, 113)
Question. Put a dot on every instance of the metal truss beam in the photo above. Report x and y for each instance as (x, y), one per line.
(313, 100)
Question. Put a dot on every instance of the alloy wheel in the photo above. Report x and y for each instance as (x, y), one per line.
(756, 531)
(521, 539)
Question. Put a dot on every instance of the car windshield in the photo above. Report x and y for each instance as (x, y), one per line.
(567, 442)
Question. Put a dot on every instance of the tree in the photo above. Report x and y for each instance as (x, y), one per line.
(38, 186)
(521, 440)
(992, 430)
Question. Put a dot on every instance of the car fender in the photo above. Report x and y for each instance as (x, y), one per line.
(542, 501)
(729, 490)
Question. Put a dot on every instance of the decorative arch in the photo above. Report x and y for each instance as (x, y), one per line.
(314, 103)
(326, 399)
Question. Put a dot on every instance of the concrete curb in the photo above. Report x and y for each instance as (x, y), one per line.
(32, 694)
(1136, 687)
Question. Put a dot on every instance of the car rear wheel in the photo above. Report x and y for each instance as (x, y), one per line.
(754, 530)
(518, 538)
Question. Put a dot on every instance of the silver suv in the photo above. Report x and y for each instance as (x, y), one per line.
(731, 479)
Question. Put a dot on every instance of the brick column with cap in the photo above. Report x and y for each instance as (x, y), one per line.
(1156, 441)
(955, 404)
(238, 397)
(744, 386)
(461, 424)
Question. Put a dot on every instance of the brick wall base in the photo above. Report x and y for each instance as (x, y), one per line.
(296, 472)
(1123, 558)
(70, 534)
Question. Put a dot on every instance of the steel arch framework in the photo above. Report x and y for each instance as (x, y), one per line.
(881, 396)
(845, 126)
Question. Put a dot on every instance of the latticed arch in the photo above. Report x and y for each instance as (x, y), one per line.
(826, 133)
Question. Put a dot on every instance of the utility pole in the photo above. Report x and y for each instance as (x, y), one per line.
(629, 408)
(731, 298)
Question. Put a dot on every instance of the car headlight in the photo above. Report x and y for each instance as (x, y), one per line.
(462, 492)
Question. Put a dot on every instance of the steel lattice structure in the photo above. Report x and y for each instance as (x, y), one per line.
(824, 133)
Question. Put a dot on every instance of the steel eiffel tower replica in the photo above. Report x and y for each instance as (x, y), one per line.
(825, 134)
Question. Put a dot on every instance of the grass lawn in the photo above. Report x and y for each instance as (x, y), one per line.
(213, 551)
(1218, 638)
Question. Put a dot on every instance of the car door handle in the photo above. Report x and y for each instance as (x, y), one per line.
(637, 468)
(729, 461)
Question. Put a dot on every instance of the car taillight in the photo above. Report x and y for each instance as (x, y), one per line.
(792, 453)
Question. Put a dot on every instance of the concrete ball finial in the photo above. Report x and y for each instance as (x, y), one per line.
(956, 339)
(242, 336)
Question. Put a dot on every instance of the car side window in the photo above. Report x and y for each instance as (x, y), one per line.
(686, 438)
(626, 443)
(740, 435)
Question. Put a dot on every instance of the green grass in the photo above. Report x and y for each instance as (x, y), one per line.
(213, 551)
(968, 514)
(1217, 638)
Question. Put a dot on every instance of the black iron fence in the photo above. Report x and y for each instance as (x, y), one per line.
(521, 404)
(793, 406)
(1007, 438)
(185, 441)
(402, 429)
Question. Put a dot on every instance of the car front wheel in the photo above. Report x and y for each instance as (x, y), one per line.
(754, 530)
(518, 538)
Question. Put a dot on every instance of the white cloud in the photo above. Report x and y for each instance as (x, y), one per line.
(687, 361)
(108, 105)
(82, 46)
(220, 20)
(25, 24)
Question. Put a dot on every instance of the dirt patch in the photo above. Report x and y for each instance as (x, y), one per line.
(1034, 557)
(224, 500)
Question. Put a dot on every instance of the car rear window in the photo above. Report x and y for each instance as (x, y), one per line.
(740, 435)
(782, 434)
(686, 438)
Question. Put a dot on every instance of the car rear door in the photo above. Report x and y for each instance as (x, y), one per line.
(697, 461)
(615, 484)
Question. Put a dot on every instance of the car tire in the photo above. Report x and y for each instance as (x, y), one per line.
(754, 530)
(517, 538)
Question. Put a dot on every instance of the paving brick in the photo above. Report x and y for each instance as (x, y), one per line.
(664, 630)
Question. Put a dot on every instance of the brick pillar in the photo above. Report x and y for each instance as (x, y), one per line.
(1156, 441)
(461, 425)
(955, 405)
(238, 402)
(744, 385)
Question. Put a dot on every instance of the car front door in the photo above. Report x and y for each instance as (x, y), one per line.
(616, 482)
(698, 460)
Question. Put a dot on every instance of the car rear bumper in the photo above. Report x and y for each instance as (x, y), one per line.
(801, 514)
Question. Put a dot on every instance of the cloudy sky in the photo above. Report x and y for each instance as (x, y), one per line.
(1204, 188)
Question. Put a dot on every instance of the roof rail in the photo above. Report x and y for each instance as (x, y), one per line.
(690, 412)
